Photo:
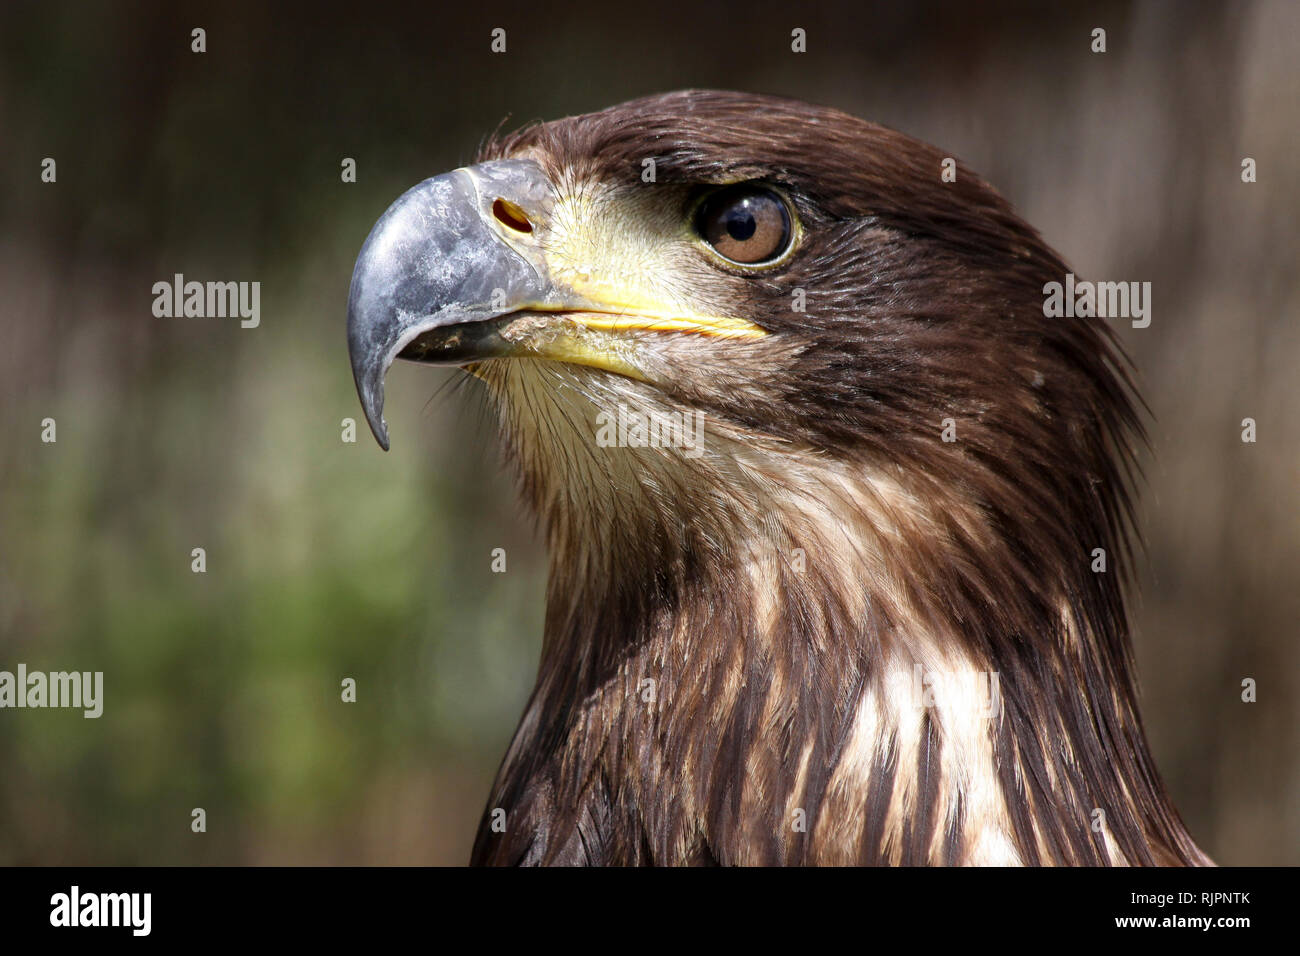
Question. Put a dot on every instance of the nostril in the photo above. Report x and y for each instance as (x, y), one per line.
(511, 215)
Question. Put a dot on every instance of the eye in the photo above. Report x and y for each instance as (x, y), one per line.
(746, 224)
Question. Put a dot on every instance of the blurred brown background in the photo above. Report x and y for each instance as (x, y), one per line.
(328, 560)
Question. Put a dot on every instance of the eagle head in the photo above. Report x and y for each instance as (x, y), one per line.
(823, 490)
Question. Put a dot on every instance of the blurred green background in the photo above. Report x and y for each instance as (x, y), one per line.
(328, 560)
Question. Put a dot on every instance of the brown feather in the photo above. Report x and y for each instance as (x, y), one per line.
(776, 686)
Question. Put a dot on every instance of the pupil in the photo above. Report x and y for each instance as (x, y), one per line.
(740, 224)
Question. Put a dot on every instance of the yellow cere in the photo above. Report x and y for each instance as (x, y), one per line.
(717, 326)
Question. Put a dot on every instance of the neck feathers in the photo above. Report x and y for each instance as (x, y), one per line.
(811, 667)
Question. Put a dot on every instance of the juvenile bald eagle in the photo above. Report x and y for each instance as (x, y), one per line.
(858, 617)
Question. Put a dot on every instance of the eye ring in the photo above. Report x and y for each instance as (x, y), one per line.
(748, 225)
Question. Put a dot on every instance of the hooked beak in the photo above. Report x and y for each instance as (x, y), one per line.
(455, 261)
(436, 260)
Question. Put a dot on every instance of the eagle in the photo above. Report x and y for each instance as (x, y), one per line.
(839, 521)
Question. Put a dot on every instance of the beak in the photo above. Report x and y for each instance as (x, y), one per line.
(451, 265)
(437, 260)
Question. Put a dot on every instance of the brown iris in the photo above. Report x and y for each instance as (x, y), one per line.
(746, 224)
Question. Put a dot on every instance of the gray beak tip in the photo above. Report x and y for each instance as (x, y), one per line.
(370, 389)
